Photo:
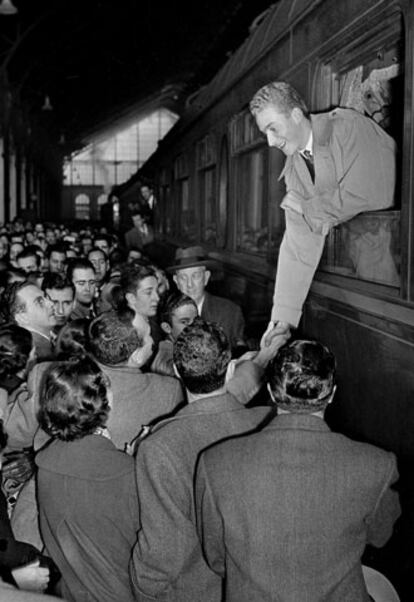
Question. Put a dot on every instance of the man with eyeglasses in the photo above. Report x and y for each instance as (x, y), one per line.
(191, 277)
(82, 274)
(27, 305)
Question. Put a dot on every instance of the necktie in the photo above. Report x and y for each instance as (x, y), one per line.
(307, 155)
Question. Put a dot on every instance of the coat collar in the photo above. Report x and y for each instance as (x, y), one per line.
(306, 422)
(210, 405)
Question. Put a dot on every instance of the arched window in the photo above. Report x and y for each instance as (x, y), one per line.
(82, 206)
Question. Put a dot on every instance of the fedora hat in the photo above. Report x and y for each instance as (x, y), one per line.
(190, 257)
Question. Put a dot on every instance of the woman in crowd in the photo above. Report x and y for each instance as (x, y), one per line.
(87, 496)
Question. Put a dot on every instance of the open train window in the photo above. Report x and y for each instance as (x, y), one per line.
(368, 77)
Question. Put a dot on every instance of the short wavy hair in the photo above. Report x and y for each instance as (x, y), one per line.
(112, 338)
(281, 95)
(201, 356)
(15, 346)
(302, 376)
(171, 302)
(73, 399)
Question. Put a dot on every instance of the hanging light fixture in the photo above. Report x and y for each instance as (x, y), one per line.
(7, 8)
(47, 105)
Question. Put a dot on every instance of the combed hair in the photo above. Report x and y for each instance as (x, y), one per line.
(201, 356)
(59, 247)
(171, 303)
(29, 252)
(302, 376)
(112, 340)
(56, 281)
(280, 94)
(15, 346)
(78, 263)
(73, 399)
(72, 339)
(11, 304)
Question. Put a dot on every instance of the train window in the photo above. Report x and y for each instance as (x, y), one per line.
(223, 194)
(253, 234)
(207, 186)
(368, 78)
(188, 228)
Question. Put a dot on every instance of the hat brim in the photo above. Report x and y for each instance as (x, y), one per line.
(189, 263)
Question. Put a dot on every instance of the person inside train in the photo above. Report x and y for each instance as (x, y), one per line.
(87, 496)
(141, 234)
(167, 560)
(191, 275)
(338, 164)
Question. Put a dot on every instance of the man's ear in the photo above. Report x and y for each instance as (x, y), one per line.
(297, 115)
(271, 393)
(176, 280)
(20, 318)
(332, 395)
(166, 328)
(207, 275)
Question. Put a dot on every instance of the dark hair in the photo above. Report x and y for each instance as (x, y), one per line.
(281, 95)
(57, 248)
(57, 281)
(11, 304)
(131, 276)
(15, 346)
(201, 356)
(98, 250)
(78, 263)
(29, 252)
(72, 339)
(302, 376)
(171, 303)
(105, 237)
(112, 338)
(73, 399)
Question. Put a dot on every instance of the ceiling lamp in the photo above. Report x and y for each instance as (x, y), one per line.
(7, 8)
(47, 105)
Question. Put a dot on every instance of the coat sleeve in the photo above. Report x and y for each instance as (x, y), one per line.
(299, 256)
(166, 535)
(210, 526)
(387, 509)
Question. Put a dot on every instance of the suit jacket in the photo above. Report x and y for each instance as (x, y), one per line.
(167, 562)
(227, 314)
(285, 514)
(135, 239)
(354, 161)
(138, 400)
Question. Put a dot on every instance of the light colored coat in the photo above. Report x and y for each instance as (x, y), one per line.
(354, 162)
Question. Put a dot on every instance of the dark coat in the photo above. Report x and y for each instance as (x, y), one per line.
(285, 514)
(167, 560)
(227, 314)
(88, 510)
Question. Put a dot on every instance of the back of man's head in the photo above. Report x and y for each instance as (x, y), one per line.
(112, 339)
(302, 377)
(201, 356)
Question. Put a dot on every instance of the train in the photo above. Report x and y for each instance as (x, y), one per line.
(218, 185)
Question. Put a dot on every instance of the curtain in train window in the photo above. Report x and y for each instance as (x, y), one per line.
(368, 246)
(253, 233)
(207, 188)
(188, 230)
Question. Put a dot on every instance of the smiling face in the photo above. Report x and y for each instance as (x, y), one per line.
(145, 299)
(287, 132)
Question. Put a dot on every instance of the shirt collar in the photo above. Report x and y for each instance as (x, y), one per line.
(309, 145)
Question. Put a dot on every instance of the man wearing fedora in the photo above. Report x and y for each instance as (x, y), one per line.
(191, 275)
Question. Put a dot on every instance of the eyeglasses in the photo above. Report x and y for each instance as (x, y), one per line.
(83, 283)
